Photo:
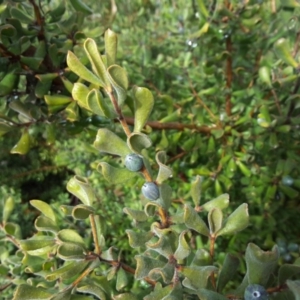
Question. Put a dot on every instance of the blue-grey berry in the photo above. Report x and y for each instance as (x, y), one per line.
(150, 191)
(256, 292)
(287, 180)
(134, 162)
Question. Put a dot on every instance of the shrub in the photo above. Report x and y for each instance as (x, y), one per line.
(72, 251)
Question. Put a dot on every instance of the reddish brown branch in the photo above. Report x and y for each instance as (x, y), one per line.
(228, 75)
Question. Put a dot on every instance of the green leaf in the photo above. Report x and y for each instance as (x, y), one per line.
(122, 279)
(144, 264)
(80, 93)
(126, 296)
(43, 223)
(8, 30)
(215, 219)
(8, 208)
(96, 61)
(163, 246)
(23, 145)
(80, 187)
(13, 229)
(5, 127)
(137, 215)
(287, 271)
(8, 83)
(228, 271)
(55, 100)
(159, 292)
(44, 208)
(264, 74)
(35, 243)
(80, 6)
(111, 43)
(82, 212)
(138, 239)
(138, 141)
(97, 104)
(70, 251)
(294, 286)
(165, 196)
(164, 172)
(201, 258)
(196, 190)
(118, 78)
(183, 250)
(196, 277)
(283, 52)
(65, 294)
(143, 101)
(70, 236)
(91, 288)
(193, 221)
(79, 69)
(21, 16)
(68, 270)
(237, 221)
(72, 112)
(220, 202)
(33, 63)
(109, 142)
(22, 109)
(205, 294)
(217, 133)
(28, 292)
(166, 273)
(42, 88)
(115, 175)
(260, 264)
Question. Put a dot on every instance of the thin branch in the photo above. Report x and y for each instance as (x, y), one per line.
(228, 75)
(195, 94)
(128, 269)
(94, 233)
(5, 286)
(119, 113)
(212, 239)
(27, 173)
(296, 46)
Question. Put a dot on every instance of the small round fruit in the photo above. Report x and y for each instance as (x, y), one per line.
(150, 191)
(255, 292)
(134, 162)
(287, 180)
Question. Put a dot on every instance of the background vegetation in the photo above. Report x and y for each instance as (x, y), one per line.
(225, 79)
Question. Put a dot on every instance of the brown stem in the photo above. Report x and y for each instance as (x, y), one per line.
(118, 111)
(39, 20)
(94, 233)
(195, 94)
(172, 125)
(84, 274)
(296, 47)
(212, 239)
(124, 124)
(164, 217)
(5, 286)
(276, 100)
(228, 75)
(42, 169)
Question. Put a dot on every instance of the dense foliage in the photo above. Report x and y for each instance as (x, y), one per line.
(163, 116)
